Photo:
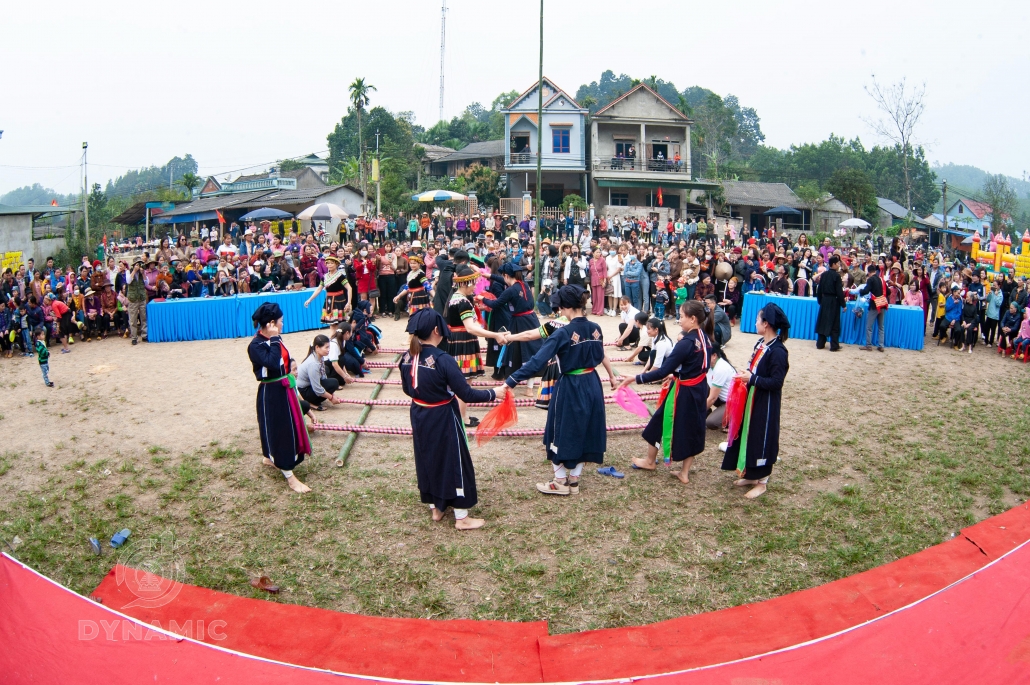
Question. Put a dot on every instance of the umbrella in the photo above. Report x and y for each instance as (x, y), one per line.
(325, 211)
(782, 209)
(265, 213)
(438, 196)
(855, 223)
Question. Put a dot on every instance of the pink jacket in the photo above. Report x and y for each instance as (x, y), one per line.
(598, 272)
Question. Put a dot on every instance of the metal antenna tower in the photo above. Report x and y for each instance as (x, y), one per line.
(443, 41)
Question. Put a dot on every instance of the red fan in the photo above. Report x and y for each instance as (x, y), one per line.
(504, 415)
(735, 404)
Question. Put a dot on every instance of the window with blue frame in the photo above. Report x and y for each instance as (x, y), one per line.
(560, 140)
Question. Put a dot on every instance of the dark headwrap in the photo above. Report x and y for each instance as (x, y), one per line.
(571, 296)
(555, 300)
(266, 313)
(510, 269)
(423, 322)
(365, 306)
(775, 318)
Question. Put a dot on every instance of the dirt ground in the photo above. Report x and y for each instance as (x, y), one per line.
(881, 455)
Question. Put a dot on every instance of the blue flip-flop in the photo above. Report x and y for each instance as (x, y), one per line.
(610, 471)
(119, 538)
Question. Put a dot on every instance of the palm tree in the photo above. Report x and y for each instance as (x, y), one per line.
(188, 182)
(359, 92)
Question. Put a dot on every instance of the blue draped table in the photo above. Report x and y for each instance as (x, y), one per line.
(904, 327)
(213, 318)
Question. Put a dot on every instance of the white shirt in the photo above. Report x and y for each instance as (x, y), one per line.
(721, 376)
(661, 350)
(334, 351)
(629, 314)
(224, 249)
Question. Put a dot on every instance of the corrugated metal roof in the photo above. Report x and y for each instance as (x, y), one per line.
(36, 209)
(487, 148)
(210, 204)
(756, 194)
(291, 197)
(891, 207)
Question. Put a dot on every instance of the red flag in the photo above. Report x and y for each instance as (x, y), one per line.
(221, 217)
(53, 203)
(659, 196)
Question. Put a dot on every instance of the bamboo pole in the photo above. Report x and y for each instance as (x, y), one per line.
(348, 444)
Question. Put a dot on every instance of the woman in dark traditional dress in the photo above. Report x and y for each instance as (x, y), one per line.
(337, 292)
(677, 428)
(433, 381)
(575, 432)
(284, 439)
(756, 450)
(515, 309)
(465, 331)
(495, 321)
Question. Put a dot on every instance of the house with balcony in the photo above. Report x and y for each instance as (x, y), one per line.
(640, 157)
(563, 157)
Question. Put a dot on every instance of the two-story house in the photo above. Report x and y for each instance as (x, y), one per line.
(639, 144)
(563, 126)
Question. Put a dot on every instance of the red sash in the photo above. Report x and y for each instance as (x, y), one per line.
(687, 383)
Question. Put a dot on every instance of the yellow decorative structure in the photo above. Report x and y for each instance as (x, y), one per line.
(1000, 260)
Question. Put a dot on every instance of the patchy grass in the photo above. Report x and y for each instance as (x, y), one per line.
(859, 487)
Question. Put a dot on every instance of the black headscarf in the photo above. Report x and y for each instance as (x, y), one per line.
(776, 319)
(570, 296)
(266, 313)
(510, 269)
(423, 322)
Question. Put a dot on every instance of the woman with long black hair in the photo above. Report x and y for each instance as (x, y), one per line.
(313, 381)
(677, 428)
(284, 439)
(755, 451)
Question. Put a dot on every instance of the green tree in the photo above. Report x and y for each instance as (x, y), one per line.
(359, 97)
(483, 180)
(886, 170)
(853, 188)
(574, 201)
(188, 182)
(997, 193)
(902, 107)
(289, 165)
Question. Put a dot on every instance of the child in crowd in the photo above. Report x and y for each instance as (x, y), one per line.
(1022, 343)
(209, 277)
(661, 299)
(682, 295)
(225, 279)
(43, 353)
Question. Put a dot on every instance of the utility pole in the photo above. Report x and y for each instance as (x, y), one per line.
(85, 183)
(377, 175)
(539, 153)
(944, 211)
(443, 42)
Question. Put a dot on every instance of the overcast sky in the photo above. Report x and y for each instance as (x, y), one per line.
(243, 84)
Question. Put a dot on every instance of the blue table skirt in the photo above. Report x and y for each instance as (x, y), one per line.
(904, 326)
(213, 318)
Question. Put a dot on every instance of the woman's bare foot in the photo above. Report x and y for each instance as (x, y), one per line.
(469, 523)
(644, 464)
(683, 475)
(267, 462)
(296, 485)
(756, 491)
(743, 481)
(437, 515)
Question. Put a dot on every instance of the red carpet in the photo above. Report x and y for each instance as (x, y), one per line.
(462, 650)
(977, 630)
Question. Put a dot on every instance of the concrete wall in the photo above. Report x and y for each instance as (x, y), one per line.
(16, 236)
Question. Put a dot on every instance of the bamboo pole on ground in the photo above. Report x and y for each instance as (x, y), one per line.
(348, 444)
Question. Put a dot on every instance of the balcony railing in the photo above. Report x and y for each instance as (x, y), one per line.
(516, 158)
(665, 166)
